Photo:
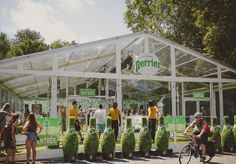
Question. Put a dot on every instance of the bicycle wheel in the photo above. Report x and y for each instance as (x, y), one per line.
(185, 154)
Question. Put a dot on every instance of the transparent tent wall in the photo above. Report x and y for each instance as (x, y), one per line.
(136, 94)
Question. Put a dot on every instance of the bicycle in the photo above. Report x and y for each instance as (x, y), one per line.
(188, 150)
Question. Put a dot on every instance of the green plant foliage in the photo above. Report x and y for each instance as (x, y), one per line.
(161, 139)
(161, 121)
(91, 139)
(108, 142)
(144, 139)
(92, 123)
(108, 122)
(227, 136)
(72, 122)
(213, 121)
(128, 139)
(144, 122)
(226, 120)
(215, 130)
(128, 123)
(70, 143)
(234, 130)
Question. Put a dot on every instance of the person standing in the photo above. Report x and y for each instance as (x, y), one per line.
(152, 118)
(10, 139)
(74, 112)
(100, 116)
(114, 112)
(31, 128)
(3, 115)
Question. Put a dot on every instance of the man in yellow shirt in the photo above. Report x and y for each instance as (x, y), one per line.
(74, 112)
(152, 118)
(114, 112)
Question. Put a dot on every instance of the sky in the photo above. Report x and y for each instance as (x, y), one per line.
(78, 20)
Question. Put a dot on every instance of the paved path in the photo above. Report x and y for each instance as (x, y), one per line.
(227, 158)
(56, 156)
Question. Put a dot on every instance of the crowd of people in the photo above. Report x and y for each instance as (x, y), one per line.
(32, 128)
(7, 134)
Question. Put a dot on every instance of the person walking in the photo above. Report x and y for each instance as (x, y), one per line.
(31, 128)
(100, 115)
(74, 112)
(114, 112)
(152, 118)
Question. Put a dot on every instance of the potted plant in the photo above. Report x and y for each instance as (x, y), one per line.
(108, 141)
(91, 141)
(128, 140)
(227, 136)
(144, 139)
(215, 134)
(70, 145)
(162, 138)
(234, 131)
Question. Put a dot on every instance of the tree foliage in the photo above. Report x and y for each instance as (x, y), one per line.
(5, 45)
(30, 41)
(59, 43)
(206, 26)
(25, 42)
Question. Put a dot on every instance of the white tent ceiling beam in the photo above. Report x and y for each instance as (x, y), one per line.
(114, 76)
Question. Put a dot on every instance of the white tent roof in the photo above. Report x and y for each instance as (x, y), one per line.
(29, 75)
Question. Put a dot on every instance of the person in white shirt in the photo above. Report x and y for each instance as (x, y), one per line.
(100, 116)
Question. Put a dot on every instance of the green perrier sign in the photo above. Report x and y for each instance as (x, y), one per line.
(87, 92)
(198, 94)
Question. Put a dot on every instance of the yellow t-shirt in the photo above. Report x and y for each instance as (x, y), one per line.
(152, 112)
(74, 112)
(114, 113)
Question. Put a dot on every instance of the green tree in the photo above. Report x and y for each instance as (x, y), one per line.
(29, 41)
(206, 26)
(5, 45)
(59, 43)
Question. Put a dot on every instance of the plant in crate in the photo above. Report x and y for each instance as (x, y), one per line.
(234, 131)
(128, 139)
(144, 139)
(91, 141)
(70, 145)
(227, 136)
(162, 138)
(108, 141)
(215, 134)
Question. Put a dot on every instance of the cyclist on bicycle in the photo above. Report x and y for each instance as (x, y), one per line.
(200, 134)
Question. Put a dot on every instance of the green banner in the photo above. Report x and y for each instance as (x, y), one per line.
(87, 92)
(175, 123)
(174, 120)
(51, 131)
(199, 94)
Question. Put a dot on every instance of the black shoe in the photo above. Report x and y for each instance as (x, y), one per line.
(202, 159)
(82, 139)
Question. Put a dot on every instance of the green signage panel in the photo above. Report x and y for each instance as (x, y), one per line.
(50, 132)
(87, 92)
(198, 94)
(174, 120)
(48, 140)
